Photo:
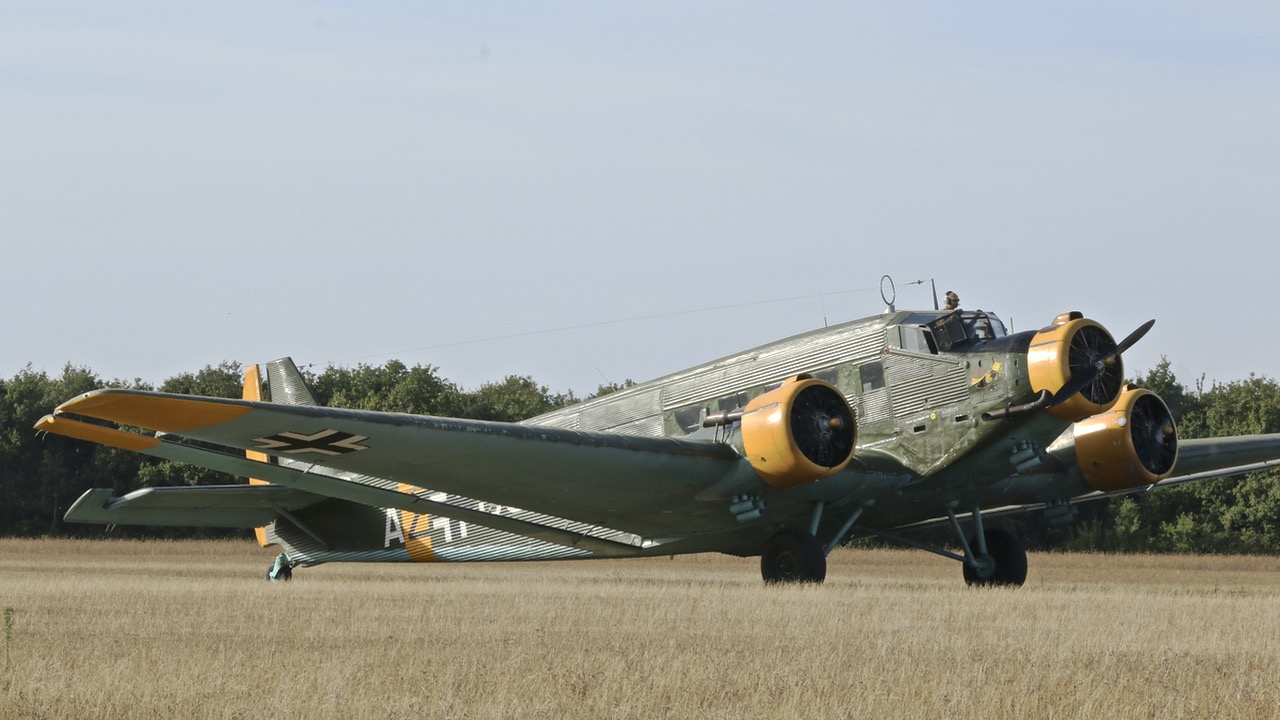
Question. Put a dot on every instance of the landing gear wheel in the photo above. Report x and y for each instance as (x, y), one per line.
(793, 556)
(281, 571)
(1004, 564)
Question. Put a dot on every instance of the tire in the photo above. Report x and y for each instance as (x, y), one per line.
(793, 556)
(1004, 548)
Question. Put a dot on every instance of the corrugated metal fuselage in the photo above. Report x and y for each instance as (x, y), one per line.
(922, 446)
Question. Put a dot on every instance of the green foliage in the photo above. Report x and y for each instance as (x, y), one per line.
(515, 398)
(392, 388)
(611, 388)
(222, 381)
(41, 475)
(1162, 382)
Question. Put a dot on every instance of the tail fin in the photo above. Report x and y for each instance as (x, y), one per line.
(287, 387)
(286, 384)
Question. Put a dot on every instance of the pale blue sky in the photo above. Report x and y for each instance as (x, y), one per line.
(186, 183)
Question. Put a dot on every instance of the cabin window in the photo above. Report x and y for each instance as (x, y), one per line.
(916, 339)
(872, 375)
(689, 418)
(733, 402)
(831, 376)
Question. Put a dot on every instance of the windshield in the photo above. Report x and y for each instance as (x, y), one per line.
(979, 325)
(939, 332)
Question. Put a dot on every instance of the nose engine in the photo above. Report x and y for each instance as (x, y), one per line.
(1132, 444)
(1075, 347)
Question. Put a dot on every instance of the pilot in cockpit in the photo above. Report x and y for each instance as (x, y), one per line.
(953, 300)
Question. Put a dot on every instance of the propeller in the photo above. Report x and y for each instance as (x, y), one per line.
(1154, 437)
(1092, 354)
(823, 427)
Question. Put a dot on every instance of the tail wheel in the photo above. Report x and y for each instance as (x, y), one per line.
(793, 556)
(1004, 564)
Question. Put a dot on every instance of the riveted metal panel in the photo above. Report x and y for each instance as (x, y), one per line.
(763, 366)
(922, 383)
(620, 410)
(873, 406)
(639, 410)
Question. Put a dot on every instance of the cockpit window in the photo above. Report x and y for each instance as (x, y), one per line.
(916, 339)
(982, 326)
(943, 331)
(949, 331)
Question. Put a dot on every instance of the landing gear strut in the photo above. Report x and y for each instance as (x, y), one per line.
(793, 555)
(992, 556)
(282, 570)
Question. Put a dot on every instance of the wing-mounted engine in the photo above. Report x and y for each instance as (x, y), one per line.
(1134, 443)
(1076, 351)
(798, 433)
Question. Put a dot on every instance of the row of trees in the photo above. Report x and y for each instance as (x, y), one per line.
(41, 476)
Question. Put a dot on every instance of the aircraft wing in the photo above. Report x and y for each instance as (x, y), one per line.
(1203, 458)
(223, 506)
(1198, 459)
(648, 486)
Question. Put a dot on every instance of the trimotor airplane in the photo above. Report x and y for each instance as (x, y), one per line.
(873, 427)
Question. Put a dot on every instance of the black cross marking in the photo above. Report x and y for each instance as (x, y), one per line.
(325, 442)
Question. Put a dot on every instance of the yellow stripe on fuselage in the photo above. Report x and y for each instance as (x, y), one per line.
(417, 530)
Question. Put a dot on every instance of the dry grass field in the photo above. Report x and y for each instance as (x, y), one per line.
(164, 630)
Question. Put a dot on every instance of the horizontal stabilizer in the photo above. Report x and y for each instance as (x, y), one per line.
(223, 506)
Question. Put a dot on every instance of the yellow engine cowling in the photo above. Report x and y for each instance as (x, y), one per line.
(1134, 443)
(798, 433)
(1071, 344)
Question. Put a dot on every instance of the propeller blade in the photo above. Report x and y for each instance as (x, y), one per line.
(1134, 337)
(1073, 386)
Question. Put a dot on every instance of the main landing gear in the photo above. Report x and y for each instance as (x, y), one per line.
(282, 570)
(1003, 562)
(794, 555)
(992, 556)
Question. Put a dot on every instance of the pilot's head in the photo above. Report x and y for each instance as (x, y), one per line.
(953, 300)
